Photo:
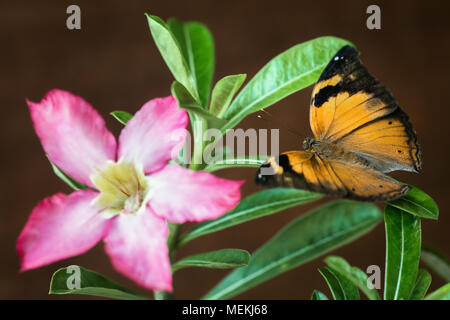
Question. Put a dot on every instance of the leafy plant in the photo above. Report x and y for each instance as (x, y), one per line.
(414, 290)
(321, 230)
(91, 283)
(188, 51)
(403, 279)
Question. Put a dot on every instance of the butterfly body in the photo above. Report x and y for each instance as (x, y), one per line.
(331, 151)
(360, 133)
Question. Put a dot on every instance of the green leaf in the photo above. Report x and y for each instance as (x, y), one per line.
(418, 203)
(355, 275)
(197, 46)
(224, 92)
(122, 116)
(91, 283)
(341, 288)
(443, 293)
(64, 177)
(317, 295)
(423, 281)
(172, 53)
(313, 234)
(184, 98)
(235, 163)
(403, 238)
(255, 206)
(290, 71)
(163, 295)
(197, 118)
(436, 261)
(220, 259)
(187, 102)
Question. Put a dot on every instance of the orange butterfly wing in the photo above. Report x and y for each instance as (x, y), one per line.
(304, 170)
(351, 108)
(389, 143)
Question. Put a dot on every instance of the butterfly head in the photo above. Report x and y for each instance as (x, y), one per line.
(308, 144)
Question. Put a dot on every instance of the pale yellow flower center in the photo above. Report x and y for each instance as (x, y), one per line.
(122, 188)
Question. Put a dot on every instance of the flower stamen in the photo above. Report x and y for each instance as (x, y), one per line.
(122, 188)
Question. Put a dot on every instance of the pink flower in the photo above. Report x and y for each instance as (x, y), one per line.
(134, 190)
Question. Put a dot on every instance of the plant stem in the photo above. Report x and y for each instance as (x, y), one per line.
(174, 232)
(172, 240)
(198, 127)
(174, 228)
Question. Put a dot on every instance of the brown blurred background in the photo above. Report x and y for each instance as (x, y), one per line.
(113, 63)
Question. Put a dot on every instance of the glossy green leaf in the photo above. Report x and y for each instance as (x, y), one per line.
(187, 102)
(91, 283)
(197, 46)
(355, 275)
(172, 53)
(220, 259)
(418, 203)
(313, 234)
(64, 177)
(436, 261)
(223, 93)
(341, 288)
(176, 27)
(423, 281)
(235, 163)
(317, 295)
(290, 71)
(443, 293)
(255, 206)
(403, 239)
(122, 116)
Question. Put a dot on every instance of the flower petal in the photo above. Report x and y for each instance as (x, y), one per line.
(59, 227)
(181, 195)
(154, 135)
(137, 246)
(72, 133)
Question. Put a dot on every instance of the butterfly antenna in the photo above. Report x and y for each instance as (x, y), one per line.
(281, 123)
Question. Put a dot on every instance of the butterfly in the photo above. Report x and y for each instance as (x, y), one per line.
(360, 134)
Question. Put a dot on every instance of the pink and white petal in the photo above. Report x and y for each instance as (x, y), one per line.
(154, 135)
(179, 194)
(72, 133)
(60, 226)
(137, 246)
